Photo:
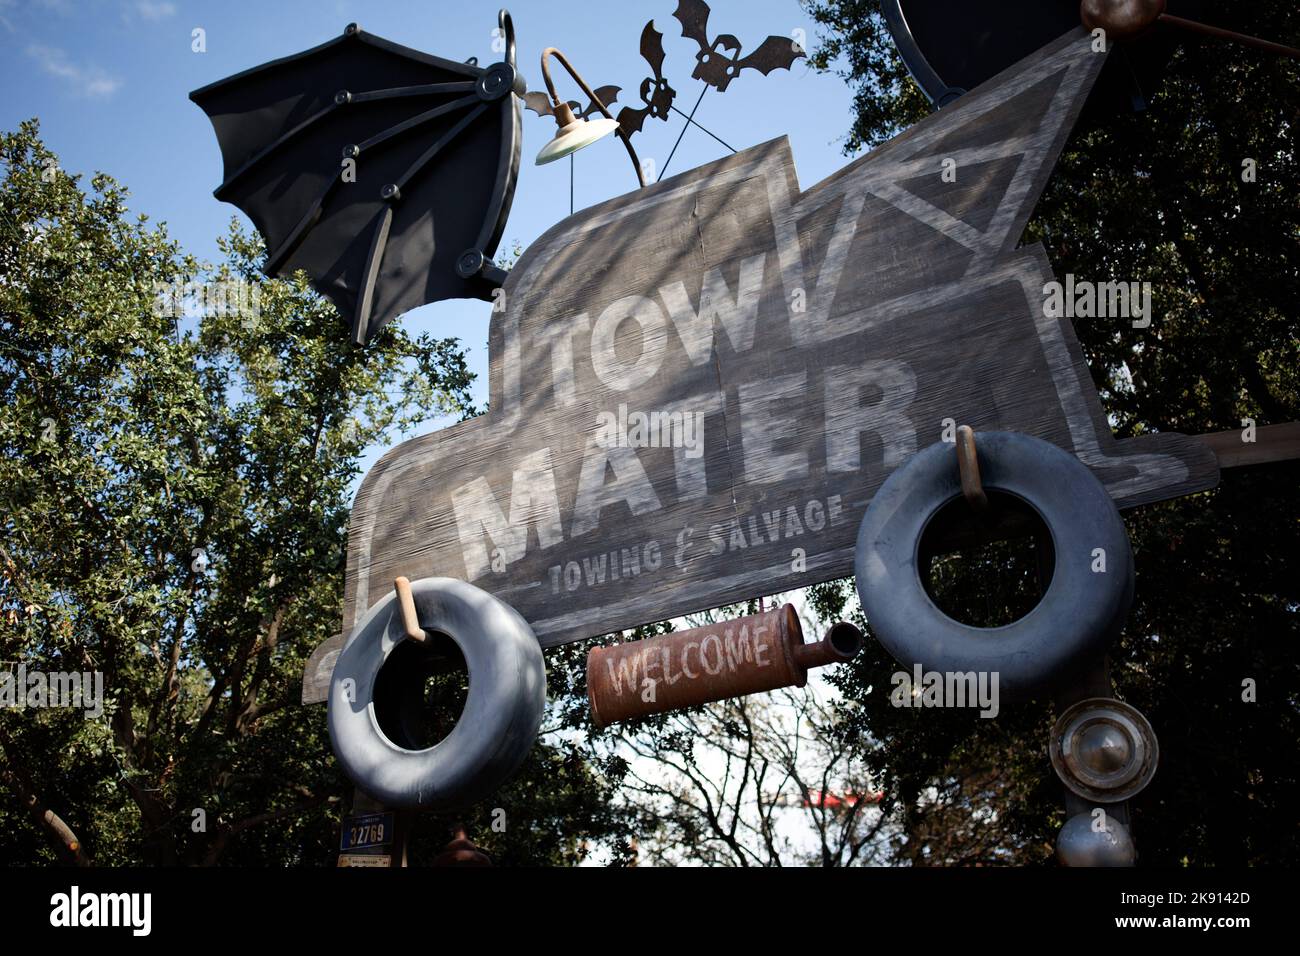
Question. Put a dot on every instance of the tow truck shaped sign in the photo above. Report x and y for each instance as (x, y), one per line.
(697, 388)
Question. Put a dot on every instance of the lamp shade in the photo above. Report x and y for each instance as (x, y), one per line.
(573, 136)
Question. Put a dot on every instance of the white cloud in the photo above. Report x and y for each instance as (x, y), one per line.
(154, 9)
(86, 80)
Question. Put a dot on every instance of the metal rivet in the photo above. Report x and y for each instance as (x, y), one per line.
(470, 263)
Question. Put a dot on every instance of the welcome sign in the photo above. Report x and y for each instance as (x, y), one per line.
(697, 388)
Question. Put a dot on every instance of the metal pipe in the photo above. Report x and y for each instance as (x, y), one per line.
(406, 608)
(731, 659)
(972, 488)
(841, 644)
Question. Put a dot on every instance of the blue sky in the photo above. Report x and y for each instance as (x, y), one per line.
(109, 80)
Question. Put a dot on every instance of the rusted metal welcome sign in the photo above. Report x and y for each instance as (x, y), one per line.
(697, 388)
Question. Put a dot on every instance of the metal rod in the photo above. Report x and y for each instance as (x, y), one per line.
(465, 102)
(968, 465)
(682, 133)
(1204, 28)
(433, 150)
(555, 102)
(697, 125)
(406, 607)
(425, 89)
(370, 274)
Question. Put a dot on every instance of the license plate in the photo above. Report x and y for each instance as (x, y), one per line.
(374, 829)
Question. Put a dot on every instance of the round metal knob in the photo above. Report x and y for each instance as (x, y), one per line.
(1121, 19)
(1081, 843)
(1104, 749)
(495, 82)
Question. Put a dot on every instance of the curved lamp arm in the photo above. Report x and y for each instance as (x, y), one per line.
(555, 101)
(507, 27)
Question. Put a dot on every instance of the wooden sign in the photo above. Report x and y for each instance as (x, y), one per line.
(697, 388)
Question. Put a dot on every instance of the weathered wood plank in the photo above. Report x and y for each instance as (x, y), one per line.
(1271, 443)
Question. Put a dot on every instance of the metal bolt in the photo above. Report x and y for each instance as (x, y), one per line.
(470, 263)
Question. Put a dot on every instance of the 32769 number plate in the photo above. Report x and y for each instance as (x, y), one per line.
(375, 829)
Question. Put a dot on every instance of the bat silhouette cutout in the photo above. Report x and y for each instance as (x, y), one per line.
(385, 173)
(713, 65)
(540, 103)
(656, 94)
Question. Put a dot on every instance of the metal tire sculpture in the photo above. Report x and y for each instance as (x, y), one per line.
(1081, 610)
(507, 694)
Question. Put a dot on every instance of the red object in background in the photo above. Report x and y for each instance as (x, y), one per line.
(833, 801)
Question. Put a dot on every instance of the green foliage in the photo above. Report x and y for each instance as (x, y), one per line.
(855, 44)
(1154, 196)
(129, 439)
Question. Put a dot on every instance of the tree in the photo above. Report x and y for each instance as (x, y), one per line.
(174, 496)
(1154, 196)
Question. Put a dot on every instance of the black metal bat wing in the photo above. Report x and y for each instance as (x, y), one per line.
(652, 48)
(718, 61)
(774, 53)
(385, 173)
(540, 103)
(606, 95)
(693, 15)
(632, 121)
(657, 95)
